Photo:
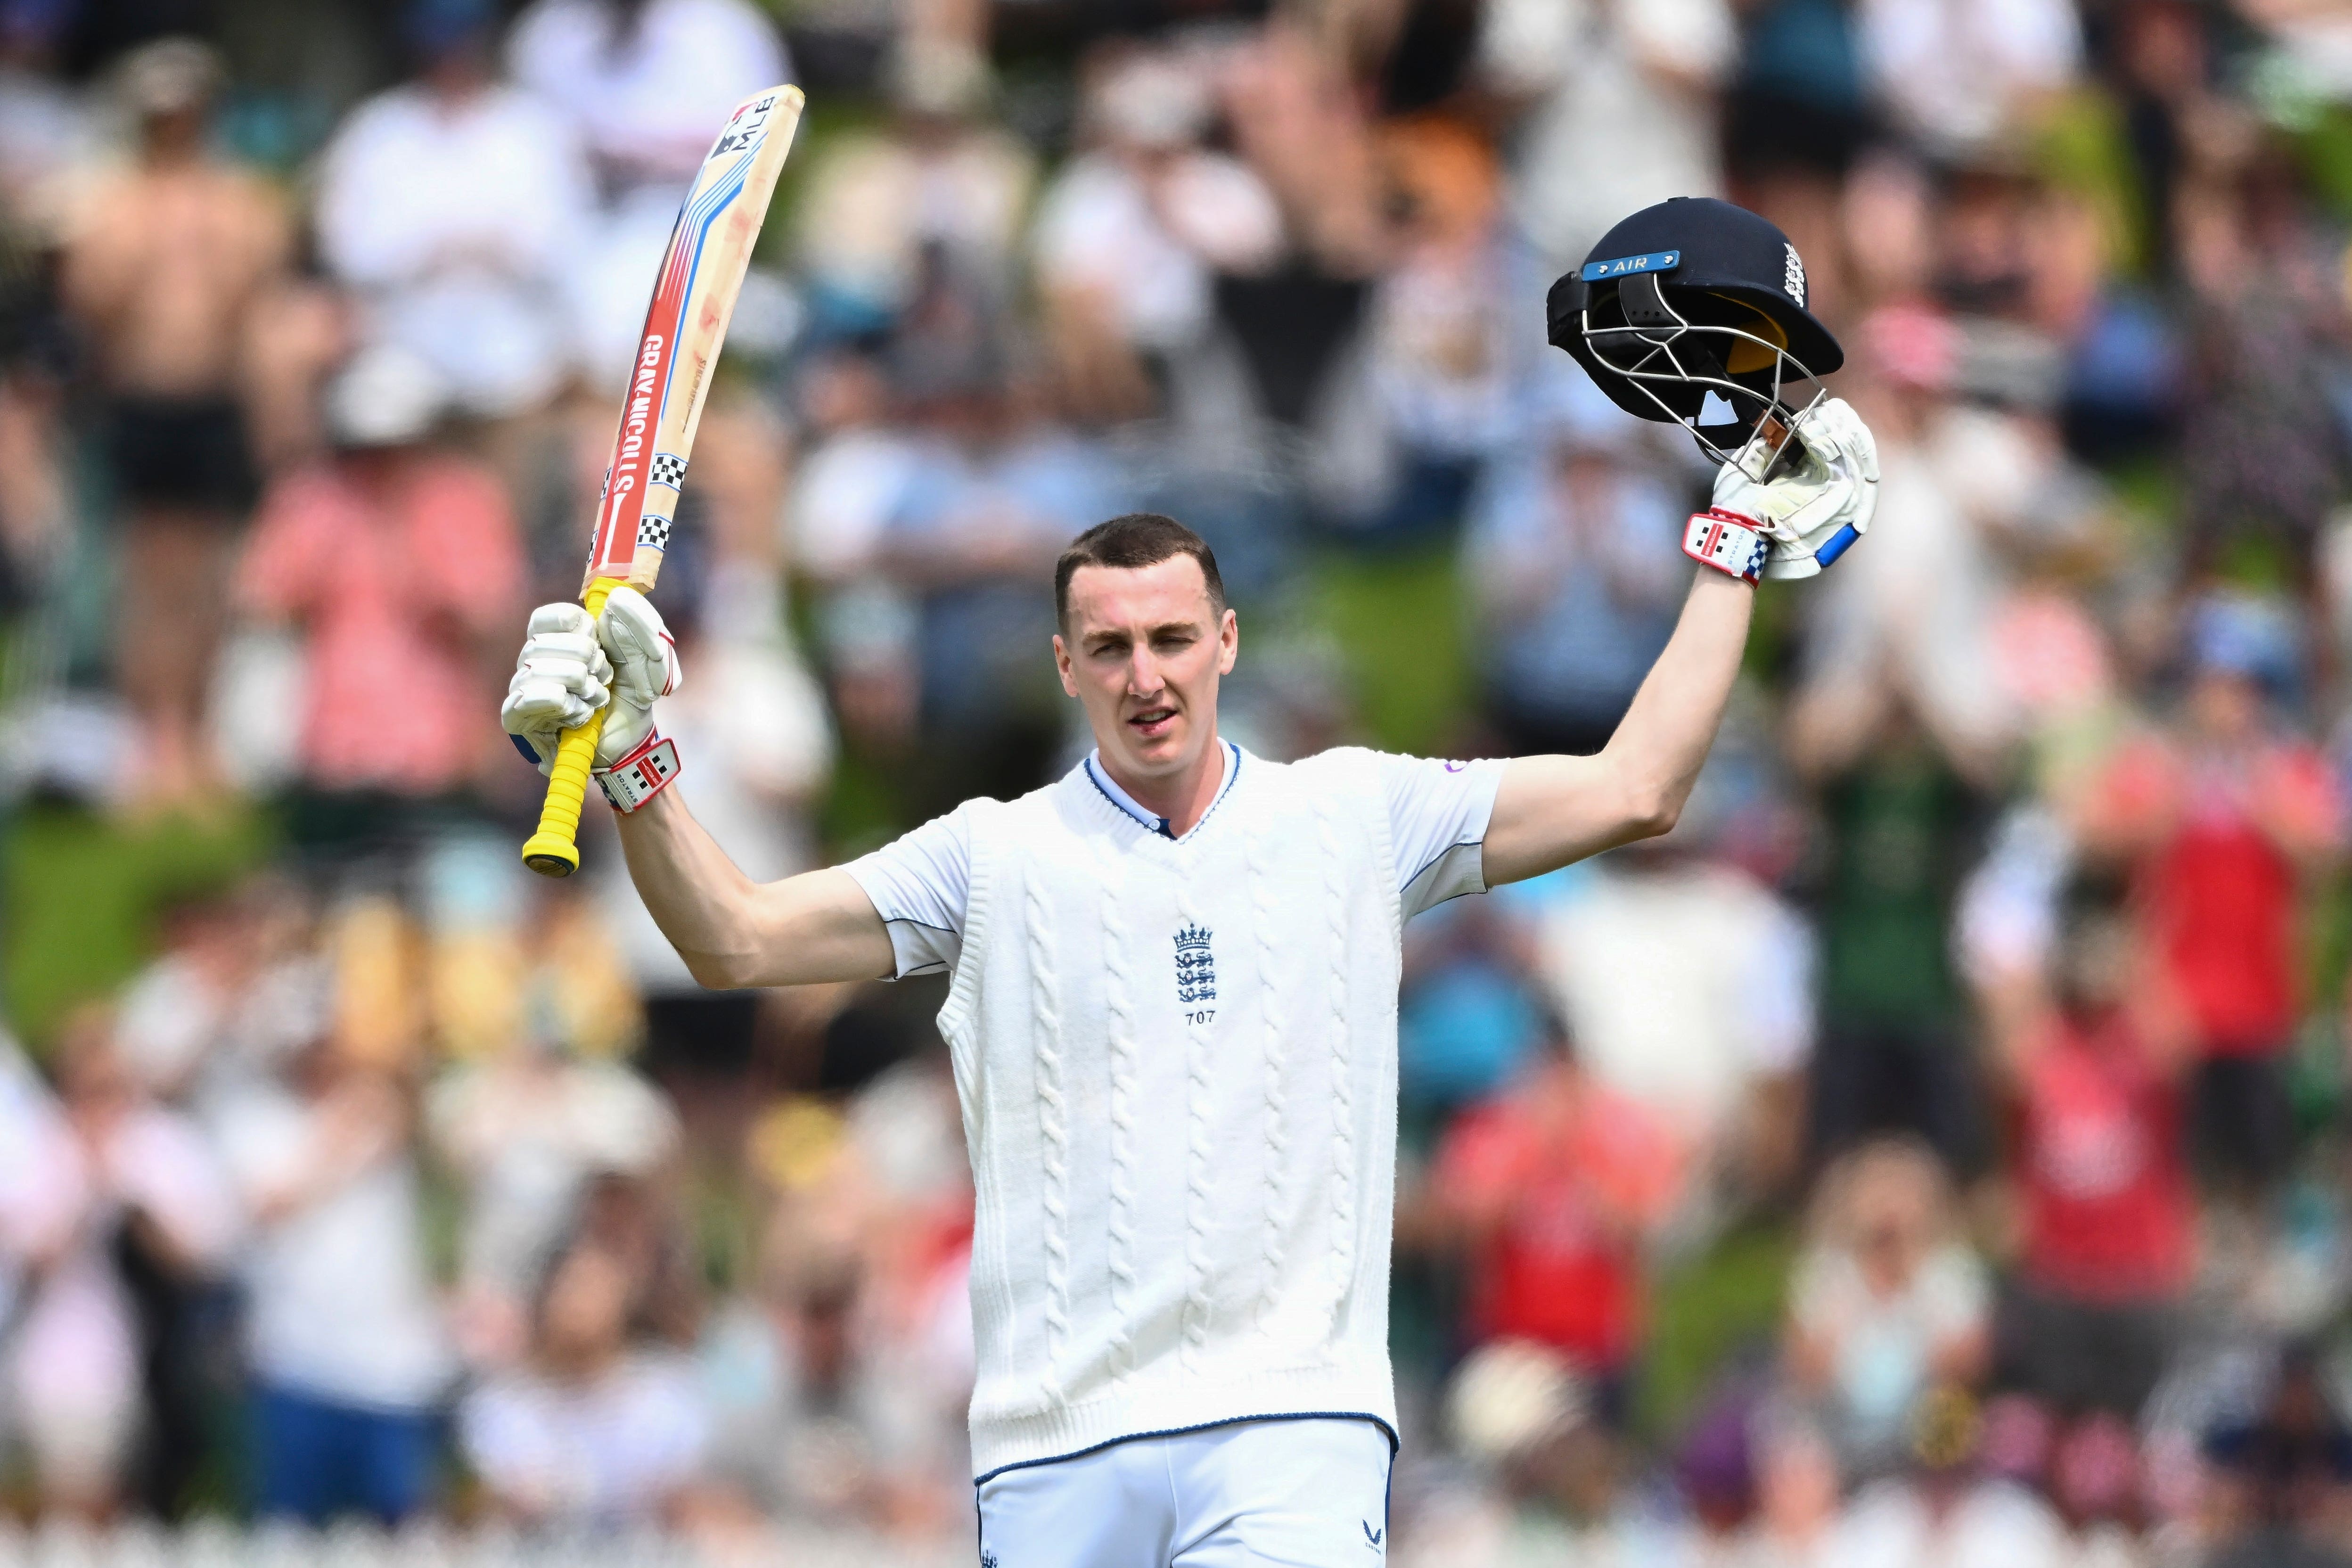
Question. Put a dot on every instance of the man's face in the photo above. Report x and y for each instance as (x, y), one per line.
(1142, 652)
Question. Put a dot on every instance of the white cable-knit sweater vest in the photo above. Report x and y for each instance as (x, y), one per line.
(1177, 1062)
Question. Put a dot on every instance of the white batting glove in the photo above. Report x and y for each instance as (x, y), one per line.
(645, 666)
(562, 678)
(569, 668)
(1815, 512)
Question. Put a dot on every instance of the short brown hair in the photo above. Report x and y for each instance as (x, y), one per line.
(1137, 539)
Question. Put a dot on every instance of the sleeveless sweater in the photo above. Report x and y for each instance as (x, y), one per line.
(1177, 1065)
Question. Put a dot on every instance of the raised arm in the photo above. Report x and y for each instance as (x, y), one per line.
(1553, 810)
(734, 932)
(730, 931)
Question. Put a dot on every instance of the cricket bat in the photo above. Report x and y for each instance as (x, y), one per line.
(694, 297)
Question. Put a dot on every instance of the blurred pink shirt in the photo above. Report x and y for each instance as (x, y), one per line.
(393, 588)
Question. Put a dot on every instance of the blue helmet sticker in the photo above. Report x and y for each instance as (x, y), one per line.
(1648, 261)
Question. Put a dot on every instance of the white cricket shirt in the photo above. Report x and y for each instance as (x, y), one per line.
(1177, 1064)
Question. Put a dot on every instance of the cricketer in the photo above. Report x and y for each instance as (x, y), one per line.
(1173, 1009)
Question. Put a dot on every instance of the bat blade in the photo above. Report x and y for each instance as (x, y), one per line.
(693, 299)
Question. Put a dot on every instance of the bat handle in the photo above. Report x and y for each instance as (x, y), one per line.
(554, 849)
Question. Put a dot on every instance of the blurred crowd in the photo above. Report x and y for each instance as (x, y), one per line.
(1933, 1152)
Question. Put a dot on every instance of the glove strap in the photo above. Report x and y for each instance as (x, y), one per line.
(1732, 544)
(644, 773)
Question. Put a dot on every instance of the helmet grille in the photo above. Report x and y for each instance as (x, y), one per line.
(1710, 363)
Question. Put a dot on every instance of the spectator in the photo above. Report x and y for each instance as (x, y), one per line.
(163, 263)
(46, 126)
(340, 550)
(1132, 234)
(2099, 1485)
(848, 482)
(1797, 1497)
(120, 1213)
(343, 1334)
(1715, 1472)
(809, 1432)
(938, 176)
(1919, 619)
(2108, 1220)
(455, 207)
(172, 1017)
(1902, 824)
(842, 1384)
(844, 492)
(1887, 1303)
(2220, 813)
(2279, 1472)
(1520, 1413)
(2161, 59)
(601, 1430)
(1796, 113)
(647, 80)
(28, 1115)
(1618, 107)
(1718, 1055)
(1445, 366)
(1553, 1187)
(529, 1130)
(1945, 1510)
(992, 496)
(1957, 77)
(2262, 465)
(1300, 122)
(647, 83)
(1572, 549)
(1469, 1012)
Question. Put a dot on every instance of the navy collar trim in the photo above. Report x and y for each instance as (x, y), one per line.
(1108, 787)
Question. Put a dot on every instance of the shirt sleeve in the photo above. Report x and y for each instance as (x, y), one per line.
(922, 887)
(1438, 813)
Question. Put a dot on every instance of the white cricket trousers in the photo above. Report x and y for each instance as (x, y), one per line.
(1288, 1492)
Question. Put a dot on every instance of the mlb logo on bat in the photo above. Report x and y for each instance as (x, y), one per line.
(1196, 966)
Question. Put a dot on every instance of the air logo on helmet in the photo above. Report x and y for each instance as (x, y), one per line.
(1793, 279)
(1649, 261)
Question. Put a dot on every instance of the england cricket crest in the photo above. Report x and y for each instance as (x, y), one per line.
(1196, 966)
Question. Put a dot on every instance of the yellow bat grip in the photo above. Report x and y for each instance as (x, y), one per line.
(554, 849)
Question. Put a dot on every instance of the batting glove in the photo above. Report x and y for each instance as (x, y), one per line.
(1812, 514)
(645, 666)
(571, 667)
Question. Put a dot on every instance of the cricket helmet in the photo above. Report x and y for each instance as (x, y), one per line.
(1692, 312)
